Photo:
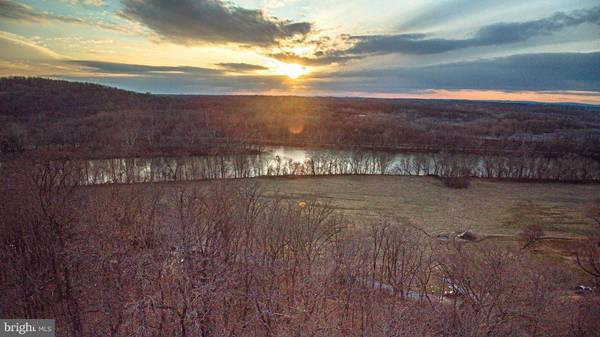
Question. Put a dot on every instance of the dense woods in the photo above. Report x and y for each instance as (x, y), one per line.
(220, 259)
(94, 121)
(94, 237)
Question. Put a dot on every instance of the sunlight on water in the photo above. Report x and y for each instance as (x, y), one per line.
(296, 161)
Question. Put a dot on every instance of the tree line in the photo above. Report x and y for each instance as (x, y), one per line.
(523, 166)
(224, 259)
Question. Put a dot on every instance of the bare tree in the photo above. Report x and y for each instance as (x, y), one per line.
(531, 234)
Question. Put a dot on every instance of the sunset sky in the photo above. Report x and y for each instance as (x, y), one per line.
(537, 50)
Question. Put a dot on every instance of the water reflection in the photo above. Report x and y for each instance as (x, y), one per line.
(284, 161)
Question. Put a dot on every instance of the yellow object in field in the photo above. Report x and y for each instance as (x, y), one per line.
(302, 204)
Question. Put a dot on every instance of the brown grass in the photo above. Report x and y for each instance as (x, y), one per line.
(486, 207)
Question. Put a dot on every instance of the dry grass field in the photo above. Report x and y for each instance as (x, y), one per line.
(486, 207)
(493, 210)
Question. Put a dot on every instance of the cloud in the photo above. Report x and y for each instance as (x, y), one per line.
(502, 33)
(15, 47)
(169, 79)
(24, 57)
(528, 72)
(422, 44)
(95, 3)
(535, 72)
(241, 67)
(143, 70)
(213, 21)
(319, 58)
(20, 12)
(166, 84)
(494, 34)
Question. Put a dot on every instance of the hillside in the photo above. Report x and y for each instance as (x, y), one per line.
(43, 113)
(22, 97)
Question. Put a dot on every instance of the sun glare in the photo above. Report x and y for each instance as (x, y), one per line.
(292, 70)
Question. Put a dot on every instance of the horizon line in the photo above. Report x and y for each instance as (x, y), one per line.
(462, 95)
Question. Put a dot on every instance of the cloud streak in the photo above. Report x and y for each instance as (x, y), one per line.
(148, 70)
(241, 67)
(143, 70)
(11, 10)
(422, 44)
(19, 12)
(172, 79)
(212, 21)
(15, 47)
(193, 85)
(95, 3)
(543, 72)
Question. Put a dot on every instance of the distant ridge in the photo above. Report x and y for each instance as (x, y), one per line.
(27, 96)
(22, 96)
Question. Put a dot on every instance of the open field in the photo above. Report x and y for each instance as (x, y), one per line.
(493, 210)
(486, 207)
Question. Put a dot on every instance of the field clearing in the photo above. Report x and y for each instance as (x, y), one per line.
(487, 207)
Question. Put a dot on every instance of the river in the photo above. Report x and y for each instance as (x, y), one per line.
(295, 161)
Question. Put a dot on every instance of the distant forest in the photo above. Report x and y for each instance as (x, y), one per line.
(64, 118)
(106, 249)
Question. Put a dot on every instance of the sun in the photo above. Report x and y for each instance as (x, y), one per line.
(291, 70)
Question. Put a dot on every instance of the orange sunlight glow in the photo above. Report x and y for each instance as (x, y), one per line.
(587, 97)
(291, 70)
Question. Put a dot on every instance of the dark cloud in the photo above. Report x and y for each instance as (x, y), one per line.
(495, 34)
(189, 21)
(15, 11)
(502, 33)
(241, 67)
(491, 35)
(138, 69)
(536, 72)
(405, 44)
(159, 84)
(172, 79)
